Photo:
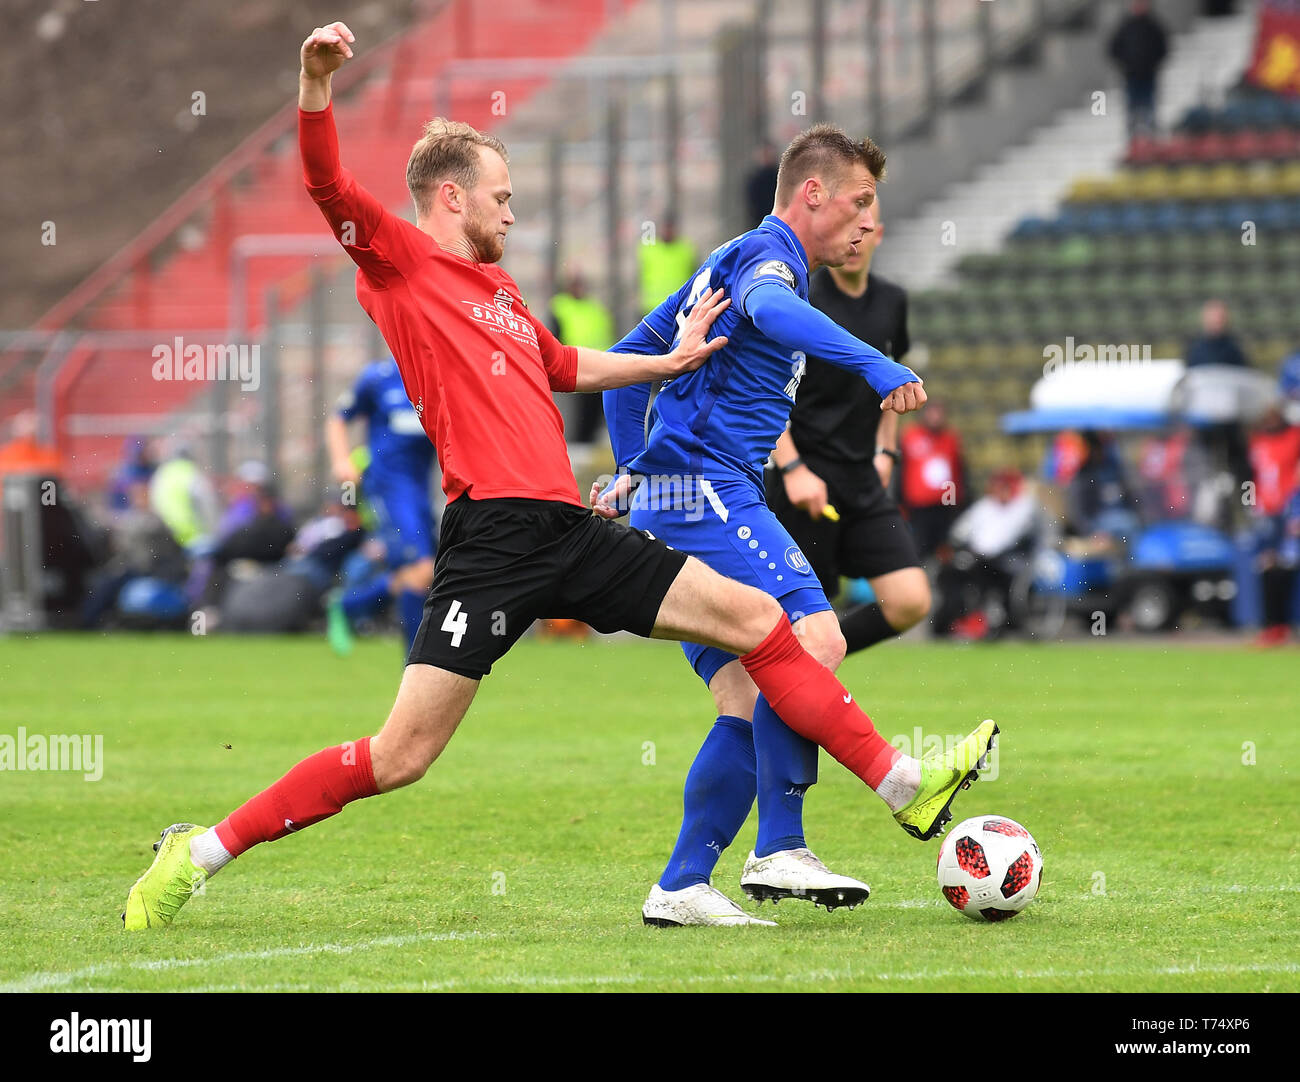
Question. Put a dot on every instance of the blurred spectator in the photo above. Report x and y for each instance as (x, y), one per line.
(1275, 458)
(1172, 468)
(1216, 344)
(1065, 454)
(1139, 46)
(990, 543)
(760, 184)
(666, 263)
(256, 525)
(24, 453)
(142, 547)
(137, 465)
(287, 596)
(579, 319)
(323, 542)
(933, 477)
(1225, 443)
(251, 495)
(183, 498)
(1100, 508)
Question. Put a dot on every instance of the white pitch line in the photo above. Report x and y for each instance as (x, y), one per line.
(39, 982)
(595, 980)
(836, 975)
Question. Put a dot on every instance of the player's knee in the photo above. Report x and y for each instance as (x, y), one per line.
(400, 766)
(827, 645)
(734, 693)
(760, 614)
(912, 607)
(406, 770)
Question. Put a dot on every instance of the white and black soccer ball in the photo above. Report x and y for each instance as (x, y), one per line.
(989, 867)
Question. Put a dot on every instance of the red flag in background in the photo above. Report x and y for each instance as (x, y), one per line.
(1275, 64)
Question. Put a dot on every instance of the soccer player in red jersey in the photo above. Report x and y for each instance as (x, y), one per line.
(516, 541)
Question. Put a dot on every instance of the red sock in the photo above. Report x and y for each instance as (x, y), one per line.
(315, 789)
(816, 705)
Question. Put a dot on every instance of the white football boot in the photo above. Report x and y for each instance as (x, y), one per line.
(797, 873)
(697, 904)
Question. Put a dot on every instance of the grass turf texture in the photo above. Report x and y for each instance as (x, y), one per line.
(522, 859)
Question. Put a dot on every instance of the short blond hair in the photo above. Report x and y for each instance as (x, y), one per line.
(447, 150)
(824, 151)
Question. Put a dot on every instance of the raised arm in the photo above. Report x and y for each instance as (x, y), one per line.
(797, 325)
(355, 216)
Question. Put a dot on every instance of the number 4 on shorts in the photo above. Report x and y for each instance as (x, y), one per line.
(457, 623)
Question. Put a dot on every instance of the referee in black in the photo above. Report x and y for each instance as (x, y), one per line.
(840, 450)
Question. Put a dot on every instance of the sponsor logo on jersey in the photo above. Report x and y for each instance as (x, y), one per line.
(499, 316)
(774, 268)
(796, 560)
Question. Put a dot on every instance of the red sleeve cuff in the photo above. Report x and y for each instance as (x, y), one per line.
(570, 368)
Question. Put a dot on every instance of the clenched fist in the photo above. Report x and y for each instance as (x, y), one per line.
(325, 50)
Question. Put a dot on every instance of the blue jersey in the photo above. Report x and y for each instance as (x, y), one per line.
(722, 420)
(396, 483)
(399, 447)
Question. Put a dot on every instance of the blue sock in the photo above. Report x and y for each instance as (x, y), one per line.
(787, 766)
(410, 605)
(719, 793)
(366, 598)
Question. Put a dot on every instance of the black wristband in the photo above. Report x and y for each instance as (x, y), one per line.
(793, 464)
(892, 454)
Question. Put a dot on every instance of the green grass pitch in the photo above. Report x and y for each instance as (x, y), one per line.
(1158, 779)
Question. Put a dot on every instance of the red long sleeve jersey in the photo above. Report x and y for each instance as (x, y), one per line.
(477, 366)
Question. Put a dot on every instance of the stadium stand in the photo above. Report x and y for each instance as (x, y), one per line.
(194, 270)
(1127, 259)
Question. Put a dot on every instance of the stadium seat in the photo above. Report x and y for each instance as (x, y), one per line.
(1197, 120)
(1176, 150)
(1210, 148)
(1092, 189)
(1184, 182)
(1248, 145)
(1142, 150)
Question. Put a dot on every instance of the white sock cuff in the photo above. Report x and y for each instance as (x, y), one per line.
(208, 853)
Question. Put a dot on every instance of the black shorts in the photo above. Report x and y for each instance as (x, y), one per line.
(870, 538)
(504, 563)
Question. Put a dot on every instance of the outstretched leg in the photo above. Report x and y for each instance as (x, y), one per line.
(430, 704)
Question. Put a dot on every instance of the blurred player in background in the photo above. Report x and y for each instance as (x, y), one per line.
(396, 484)
(517, 542)
(933, 485)
(1275, 459)
(699, 443)
(840, 451)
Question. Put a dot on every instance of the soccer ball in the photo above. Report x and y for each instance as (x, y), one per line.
(989, 867)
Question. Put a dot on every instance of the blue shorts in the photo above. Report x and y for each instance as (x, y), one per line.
(727, 525)
(404, 517)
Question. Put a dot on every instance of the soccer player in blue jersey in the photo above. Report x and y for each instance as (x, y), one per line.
(396, 484)
(693, 451)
